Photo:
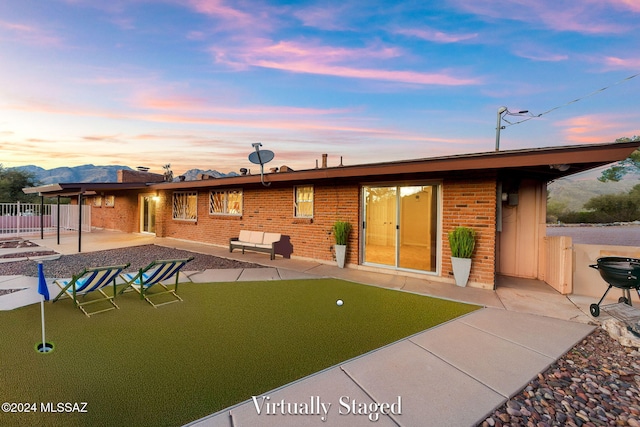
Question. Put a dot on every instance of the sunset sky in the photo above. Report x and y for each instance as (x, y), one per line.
(194, 83)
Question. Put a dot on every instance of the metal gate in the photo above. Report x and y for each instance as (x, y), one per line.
(27, 219)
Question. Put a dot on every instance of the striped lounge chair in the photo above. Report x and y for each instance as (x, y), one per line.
(154, 274)
(87, 281)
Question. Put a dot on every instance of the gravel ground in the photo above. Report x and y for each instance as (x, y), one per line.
(596, 383)
(138, 256)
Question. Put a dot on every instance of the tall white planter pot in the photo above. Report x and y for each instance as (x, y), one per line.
(341, 252)
(461, 270)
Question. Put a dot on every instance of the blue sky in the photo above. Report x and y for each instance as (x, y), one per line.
(194, 83)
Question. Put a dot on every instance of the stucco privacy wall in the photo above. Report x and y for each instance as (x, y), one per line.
(587, 281)
(465, 202)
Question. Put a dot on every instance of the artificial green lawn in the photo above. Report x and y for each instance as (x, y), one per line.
(226, 342)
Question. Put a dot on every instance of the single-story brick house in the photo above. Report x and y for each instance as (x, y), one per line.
(401, 211)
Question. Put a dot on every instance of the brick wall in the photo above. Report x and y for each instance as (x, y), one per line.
(272, 210)
(471, 203)
(123, 216)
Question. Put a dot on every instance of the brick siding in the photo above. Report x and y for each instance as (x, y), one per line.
(470, 203)
(271, 210)
(123, 216)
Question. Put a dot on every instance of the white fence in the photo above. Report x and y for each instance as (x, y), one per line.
(26, 219)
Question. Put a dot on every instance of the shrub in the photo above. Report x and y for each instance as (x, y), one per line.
(341, 230)
(462, 241)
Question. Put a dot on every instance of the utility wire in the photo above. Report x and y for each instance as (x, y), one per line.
(532, 116)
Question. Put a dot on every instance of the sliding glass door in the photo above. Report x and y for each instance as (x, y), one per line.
(401, 226)
(380, 225)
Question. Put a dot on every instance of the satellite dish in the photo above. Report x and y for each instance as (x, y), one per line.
(260, 158)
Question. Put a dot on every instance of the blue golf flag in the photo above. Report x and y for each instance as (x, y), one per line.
(42, 283)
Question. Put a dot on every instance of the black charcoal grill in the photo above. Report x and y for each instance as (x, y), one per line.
(618, 272)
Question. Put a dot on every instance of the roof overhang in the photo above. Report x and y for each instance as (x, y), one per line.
(544, 164)
(86, 188)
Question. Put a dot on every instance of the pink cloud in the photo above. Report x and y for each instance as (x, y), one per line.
(435, 35)
(197, 105)
(230, 17)
(341, 133)
(631, 5)
(325, 18)
(217, 8)
(538, 53)
(286, 49)
(594, 128)
(622, 63)
(309, 58)
(168, 102)
(102, 138)
(412, 77)
(28, 34)
(585, 16)
(238, 119)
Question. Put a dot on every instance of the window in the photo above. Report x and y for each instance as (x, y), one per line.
(225, 202)
(109, 201)
(185, 205)
(97, 201)
(303, 203)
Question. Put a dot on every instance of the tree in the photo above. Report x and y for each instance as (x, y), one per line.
(168, 173)
(618, 207)
(620, 169)
(12, 181)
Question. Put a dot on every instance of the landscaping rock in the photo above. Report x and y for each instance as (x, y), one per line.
(138, 256)
(595, 384)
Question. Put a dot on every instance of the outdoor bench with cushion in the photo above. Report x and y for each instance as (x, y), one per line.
(255, 241)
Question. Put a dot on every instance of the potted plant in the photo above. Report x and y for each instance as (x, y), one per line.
(341, 230)
(462, 241)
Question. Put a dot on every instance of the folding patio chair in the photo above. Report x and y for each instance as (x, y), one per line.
(88, 281)
(153, 274)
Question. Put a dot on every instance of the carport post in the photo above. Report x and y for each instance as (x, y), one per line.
(41, 217)
(80, 222)
(58, 214)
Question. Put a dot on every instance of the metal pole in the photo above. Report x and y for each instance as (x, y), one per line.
(41, 217)
(58, 214)
(499, 126)
(18, 216)
(80, 222)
